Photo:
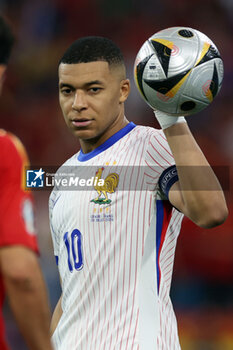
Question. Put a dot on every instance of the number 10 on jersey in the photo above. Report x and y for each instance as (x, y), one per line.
(73, 243)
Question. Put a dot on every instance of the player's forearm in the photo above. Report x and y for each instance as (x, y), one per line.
(28, 301)
(202, 194)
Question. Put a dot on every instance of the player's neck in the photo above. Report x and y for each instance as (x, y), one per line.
(91, 144)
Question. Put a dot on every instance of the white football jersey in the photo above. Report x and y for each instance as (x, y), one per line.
(114, 242)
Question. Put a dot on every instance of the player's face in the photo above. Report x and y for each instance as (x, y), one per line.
(92, 99)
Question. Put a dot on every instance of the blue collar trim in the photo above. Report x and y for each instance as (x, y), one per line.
(82, 157)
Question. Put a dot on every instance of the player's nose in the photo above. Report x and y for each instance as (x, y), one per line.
(80, 101)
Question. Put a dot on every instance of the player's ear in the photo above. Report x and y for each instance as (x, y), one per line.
(2, 75)
(124, 90)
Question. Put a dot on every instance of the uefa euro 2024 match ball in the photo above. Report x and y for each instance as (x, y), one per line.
(178, 71)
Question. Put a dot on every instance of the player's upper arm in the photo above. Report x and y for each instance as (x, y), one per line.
(175, 197)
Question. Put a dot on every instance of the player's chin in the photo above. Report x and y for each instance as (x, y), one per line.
(83, 133)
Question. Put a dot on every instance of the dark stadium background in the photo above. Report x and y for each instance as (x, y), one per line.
(202, 289)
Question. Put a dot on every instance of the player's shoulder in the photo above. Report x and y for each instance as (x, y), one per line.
(147, 132)
(6, 139)
(72, 161)
(11, 146)
(11, 141)
(63, 170)
(154, 143)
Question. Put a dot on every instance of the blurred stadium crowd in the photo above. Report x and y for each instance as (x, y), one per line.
(203, 273)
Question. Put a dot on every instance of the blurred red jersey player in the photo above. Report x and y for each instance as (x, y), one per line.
(16, 207)
(20, 274)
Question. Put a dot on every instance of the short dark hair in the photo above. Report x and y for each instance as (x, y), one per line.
(92, 49)
(6, 41)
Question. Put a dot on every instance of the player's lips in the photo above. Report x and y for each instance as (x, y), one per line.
(81, 122)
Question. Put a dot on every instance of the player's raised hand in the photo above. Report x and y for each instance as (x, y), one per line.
(165, 120)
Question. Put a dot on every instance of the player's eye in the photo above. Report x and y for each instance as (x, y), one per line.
(66, 91)
(94, 89)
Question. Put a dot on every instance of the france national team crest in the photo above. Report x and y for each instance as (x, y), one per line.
(109, 186)
(35, 178)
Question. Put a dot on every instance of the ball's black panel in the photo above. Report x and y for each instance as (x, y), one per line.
(210, 54)
(186, 33)
(215, 82)
(163, 53)
(188, 106)
(163, 86)
(139, 72)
